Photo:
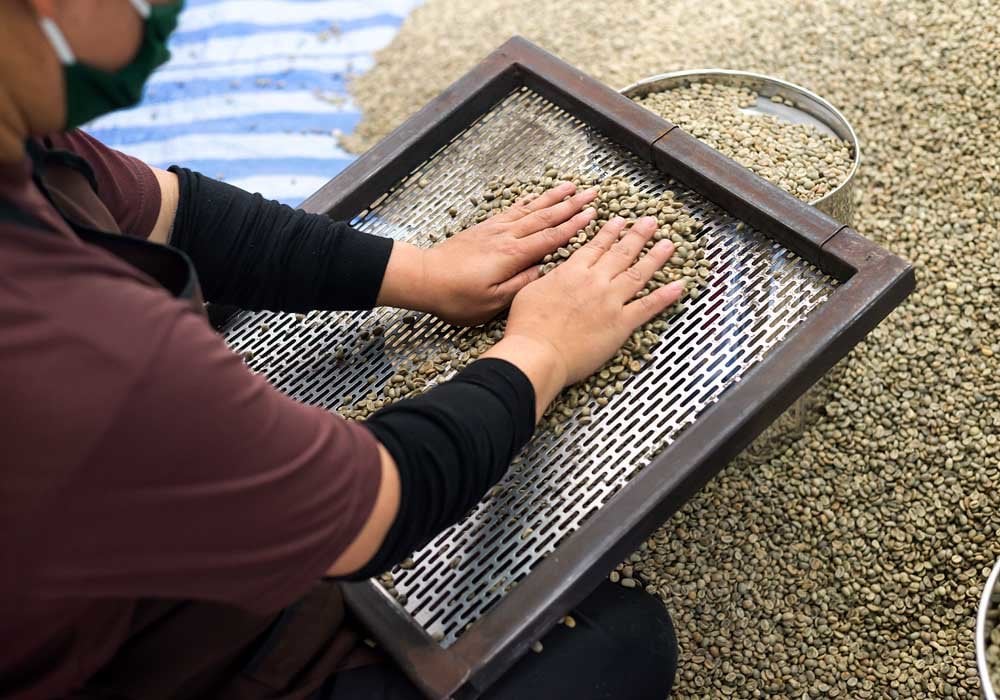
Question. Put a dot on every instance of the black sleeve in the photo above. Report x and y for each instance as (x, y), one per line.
(450, 445)
(256, 254)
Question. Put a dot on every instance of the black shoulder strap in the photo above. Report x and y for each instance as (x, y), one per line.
(170, 267)
(42, 156)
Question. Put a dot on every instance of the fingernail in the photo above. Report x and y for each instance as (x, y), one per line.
(663, 245)
(617, 220)
(589, 194)
(677, 286)
(648, 219)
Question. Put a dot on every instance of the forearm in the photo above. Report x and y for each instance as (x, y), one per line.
(539, 363)
(448, 447)
(405, 284)
(259, 254)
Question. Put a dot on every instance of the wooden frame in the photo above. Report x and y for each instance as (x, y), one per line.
(873, 282)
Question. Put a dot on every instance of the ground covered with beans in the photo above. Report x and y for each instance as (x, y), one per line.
(850, 564)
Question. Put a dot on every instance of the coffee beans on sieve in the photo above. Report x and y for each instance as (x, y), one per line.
(809, 576)
(616, 197)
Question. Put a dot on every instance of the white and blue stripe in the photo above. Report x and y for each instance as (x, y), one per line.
(256, 91)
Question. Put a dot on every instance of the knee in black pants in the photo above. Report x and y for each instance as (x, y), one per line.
(622, 648)
(646, 641)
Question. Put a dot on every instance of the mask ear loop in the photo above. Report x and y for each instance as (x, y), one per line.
(142, 7)
(58, 41)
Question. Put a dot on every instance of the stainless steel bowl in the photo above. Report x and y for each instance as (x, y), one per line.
(806, 108)
(986, 620)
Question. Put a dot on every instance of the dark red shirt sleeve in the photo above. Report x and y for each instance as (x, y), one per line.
(145, 459)
(125, 184)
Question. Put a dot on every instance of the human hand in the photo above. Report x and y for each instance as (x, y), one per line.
(472, 276)
(582, 312)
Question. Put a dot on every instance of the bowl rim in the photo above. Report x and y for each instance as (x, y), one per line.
(726, 75)
(982, 632)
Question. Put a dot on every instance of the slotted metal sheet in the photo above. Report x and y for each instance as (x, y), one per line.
(757, 294)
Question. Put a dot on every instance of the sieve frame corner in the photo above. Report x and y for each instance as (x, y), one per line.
(873, 282)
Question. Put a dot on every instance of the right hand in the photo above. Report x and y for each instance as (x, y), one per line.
(583, 311)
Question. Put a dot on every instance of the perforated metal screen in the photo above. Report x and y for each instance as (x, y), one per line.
(757, 294)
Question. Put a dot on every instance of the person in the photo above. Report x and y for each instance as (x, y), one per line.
(171, 526)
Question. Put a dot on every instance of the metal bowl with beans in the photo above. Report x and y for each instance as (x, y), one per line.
(781, 131)
(785, 134)
(988, 635)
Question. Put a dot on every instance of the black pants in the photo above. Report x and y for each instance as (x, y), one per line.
(623, 647)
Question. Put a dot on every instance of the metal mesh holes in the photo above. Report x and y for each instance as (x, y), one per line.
(757, 294)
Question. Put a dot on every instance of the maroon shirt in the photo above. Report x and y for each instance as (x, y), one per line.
(140, 458)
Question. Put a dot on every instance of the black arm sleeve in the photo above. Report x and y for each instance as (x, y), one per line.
(450, 445)
(256, 254)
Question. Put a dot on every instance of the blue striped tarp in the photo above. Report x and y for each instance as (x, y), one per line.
(256, 93)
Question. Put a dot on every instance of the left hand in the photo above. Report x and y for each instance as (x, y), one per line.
(472, 276)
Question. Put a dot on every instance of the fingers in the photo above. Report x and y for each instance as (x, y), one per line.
(645, 308)
(551, 216)
(515, 284)
(545, 199)
(635, 278)
(538, 245)
(595, 248)
(623, 253)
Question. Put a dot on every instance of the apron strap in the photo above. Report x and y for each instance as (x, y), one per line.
(68, 182)
(170, 267)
